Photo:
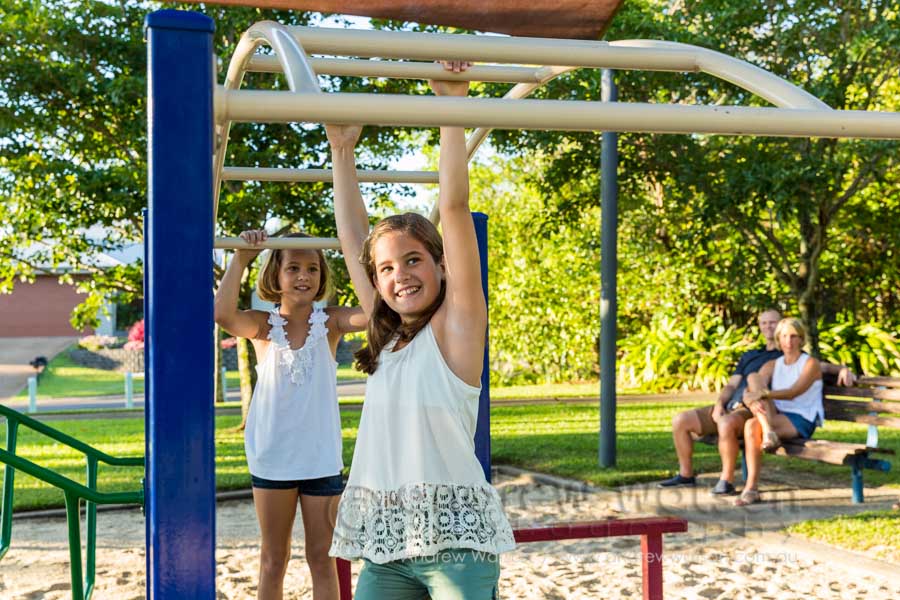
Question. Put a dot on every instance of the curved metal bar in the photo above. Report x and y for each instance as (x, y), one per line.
(757, 81)
(478, 136)
(648, 55)
(300, 79)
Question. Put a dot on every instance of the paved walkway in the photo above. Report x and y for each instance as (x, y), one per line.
(17, 352)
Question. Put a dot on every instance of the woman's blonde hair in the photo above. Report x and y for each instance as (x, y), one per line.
(267, 284)
(791, 323)
(384, 323)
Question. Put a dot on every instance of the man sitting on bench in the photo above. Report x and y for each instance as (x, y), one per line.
(726, 418)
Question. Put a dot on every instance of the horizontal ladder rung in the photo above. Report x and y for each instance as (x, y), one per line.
(280, 243)
(348, 67)
(325, 175)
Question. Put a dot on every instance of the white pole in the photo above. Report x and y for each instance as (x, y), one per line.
(344, 67)
(325, 175)
(422, 111)
(32, 394)
(281, 243)
(129, 390)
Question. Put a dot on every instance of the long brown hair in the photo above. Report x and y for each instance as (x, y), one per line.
(385, 323)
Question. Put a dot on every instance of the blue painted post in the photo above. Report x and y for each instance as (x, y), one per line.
(483, 428)
(857, 478)
(609, 164)
(180, 450)
(145, 221)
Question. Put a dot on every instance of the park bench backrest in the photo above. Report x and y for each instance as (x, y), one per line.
(874, 401)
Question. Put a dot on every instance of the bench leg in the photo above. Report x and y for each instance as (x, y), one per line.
(744, 466)
(651, 566)
(857, 476)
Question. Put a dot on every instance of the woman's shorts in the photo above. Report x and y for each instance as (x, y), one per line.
(456, 574)
(333, 485)
(804, 428)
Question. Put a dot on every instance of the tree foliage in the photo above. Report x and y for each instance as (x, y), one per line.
(803, 224)
(73, 141)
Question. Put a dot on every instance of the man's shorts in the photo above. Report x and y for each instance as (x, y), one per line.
(332, 485)
(708, 426)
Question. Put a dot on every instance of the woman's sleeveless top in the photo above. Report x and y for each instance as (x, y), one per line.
(808, 404)
(415, 485)
(294, 428)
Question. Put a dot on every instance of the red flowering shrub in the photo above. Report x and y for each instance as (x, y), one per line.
(136, 332)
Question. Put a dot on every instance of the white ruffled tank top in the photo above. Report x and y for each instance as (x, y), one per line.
(293, 428)
(415, 485)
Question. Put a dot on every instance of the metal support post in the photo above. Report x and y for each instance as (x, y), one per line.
(609, 160)
(180, 445)
(32, 394)
(129, 389)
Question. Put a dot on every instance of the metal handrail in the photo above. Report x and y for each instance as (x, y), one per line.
(74, 492)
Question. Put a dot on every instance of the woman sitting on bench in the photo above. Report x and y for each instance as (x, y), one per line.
(785, 396)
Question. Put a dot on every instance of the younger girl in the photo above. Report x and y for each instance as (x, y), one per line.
(293, 430)
(417, 507)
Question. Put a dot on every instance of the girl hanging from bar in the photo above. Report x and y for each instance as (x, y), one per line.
(417, 507)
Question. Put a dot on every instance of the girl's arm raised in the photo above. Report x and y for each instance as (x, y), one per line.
(242, 323)
(462, 322)
(349, 209)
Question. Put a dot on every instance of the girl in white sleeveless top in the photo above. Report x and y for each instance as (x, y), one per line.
(417, 507)
(785, 396)
(293, 430)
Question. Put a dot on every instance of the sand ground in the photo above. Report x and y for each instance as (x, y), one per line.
(727, 553)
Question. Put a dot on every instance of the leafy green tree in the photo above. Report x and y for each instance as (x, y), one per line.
(797, 222)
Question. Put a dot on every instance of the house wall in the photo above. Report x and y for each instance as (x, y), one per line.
(39, 309)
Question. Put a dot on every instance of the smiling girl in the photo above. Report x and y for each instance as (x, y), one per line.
(293, 430)
(417, 507)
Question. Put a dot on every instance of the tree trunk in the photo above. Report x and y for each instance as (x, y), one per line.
(244, 371)
(218, 393)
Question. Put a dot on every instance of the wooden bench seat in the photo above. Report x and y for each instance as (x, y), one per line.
(873, 401)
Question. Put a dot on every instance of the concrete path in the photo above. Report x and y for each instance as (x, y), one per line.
(17, 352)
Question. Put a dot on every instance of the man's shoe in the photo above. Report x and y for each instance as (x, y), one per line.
(677, 481)
(723, 488)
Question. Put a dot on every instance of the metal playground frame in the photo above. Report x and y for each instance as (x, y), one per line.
(189, 120)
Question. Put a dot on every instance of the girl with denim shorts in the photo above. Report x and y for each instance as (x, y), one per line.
(417, 508)
(785, 396)
(293, 430)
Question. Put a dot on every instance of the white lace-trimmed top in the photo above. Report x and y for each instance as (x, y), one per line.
(415, 485)
(294, 427)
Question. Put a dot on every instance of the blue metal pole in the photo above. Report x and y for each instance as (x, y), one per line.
(483, 428)
(180, 458)
(609, 164)
(148, 381)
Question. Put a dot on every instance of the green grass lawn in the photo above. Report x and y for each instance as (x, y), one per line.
(65, 379)
(876, 533)
(553, 438)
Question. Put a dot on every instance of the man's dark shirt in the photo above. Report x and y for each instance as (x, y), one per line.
(750, 362)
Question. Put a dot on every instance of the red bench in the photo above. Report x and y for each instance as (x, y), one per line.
(650, 529)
